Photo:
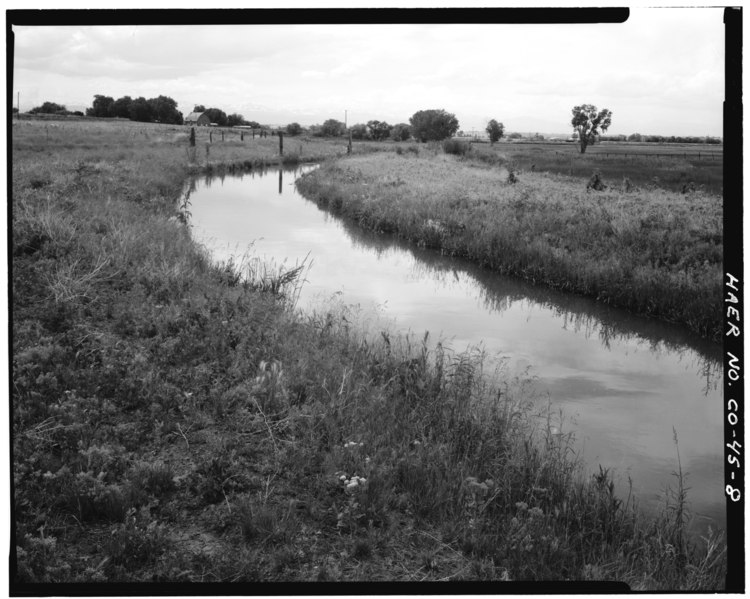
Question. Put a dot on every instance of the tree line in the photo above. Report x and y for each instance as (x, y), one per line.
(162, 109)
(589, 123)
(690, 139)
(53, 108)
(424, 125)
(158, 110)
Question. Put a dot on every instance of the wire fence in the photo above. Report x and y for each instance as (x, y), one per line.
(684, 155)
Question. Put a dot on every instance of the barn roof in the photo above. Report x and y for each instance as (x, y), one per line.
(194, 116)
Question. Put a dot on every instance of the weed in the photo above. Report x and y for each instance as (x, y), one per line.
(264, 524)
(133, 544)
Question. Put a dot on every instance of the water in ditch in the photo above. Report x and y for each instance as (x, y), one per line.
(625, 385)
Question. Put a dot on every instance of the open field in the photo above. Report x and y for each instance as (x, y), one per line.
(173, 422)
(666, 166)
(652, 251)
(118, 139)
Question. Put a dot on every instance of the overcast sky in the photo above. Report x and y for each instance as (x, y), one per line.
(661, 72)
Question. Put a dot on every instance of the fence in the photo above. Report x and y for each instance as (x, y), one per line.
(685, 155)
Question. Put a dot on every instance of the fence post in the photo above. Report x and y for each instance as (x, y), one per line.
(210, 137)
(192, 137)
(349, 147)
(281, 143)
(242, 136)
(253, 133)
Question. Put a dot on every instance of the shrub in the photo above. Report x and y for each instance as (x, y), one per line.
(456, 146)
(401, 132)
(433, 125)
(359, 131)
(293, 129)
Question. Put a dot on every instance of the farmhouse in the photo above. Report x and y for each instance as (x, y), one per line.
(198, 118)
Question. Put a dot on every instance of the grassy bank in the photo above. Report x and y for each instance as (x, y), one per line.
(648, 250)
(174, 423)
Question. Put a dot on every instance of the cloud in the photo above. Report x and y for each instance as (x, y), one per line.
(658, 59)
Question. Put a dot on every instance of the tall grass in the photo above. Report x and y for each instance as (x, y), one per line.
(171, 423)
(670, 168)
(651, 251)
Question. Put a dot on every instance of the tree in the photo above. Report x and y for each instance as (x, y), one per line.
(103, 106)
(121, 107)
(253, 124)
(217, 116)
(49, 108)
(235, 119)
(199, 108)
(359, 131)
(293, 129)
(141, 110)
(333, 128)
(164, 110)
(495, 130)
(433, 125)
(587, 121)
(401, 132)
(379, 130)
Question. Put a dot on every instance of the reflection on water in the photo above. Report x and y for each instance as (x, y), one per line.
(623, 382)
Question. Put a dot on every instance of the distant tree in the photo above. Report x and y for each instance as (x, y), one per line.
(199, 108)
(634, 137)
(77, 113)
(253, 124)
(495, 130)
(379, 130)
(587, 121)
(515, 135)
(235, 119)
(217, 116)
(103, 106)
(293, 129)
(333, 128)
(359, 131)
(401, 132)
(15, 110)
(121, 107)
(141, 110)
(433, 125)
(49, 108)
(164, 110)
